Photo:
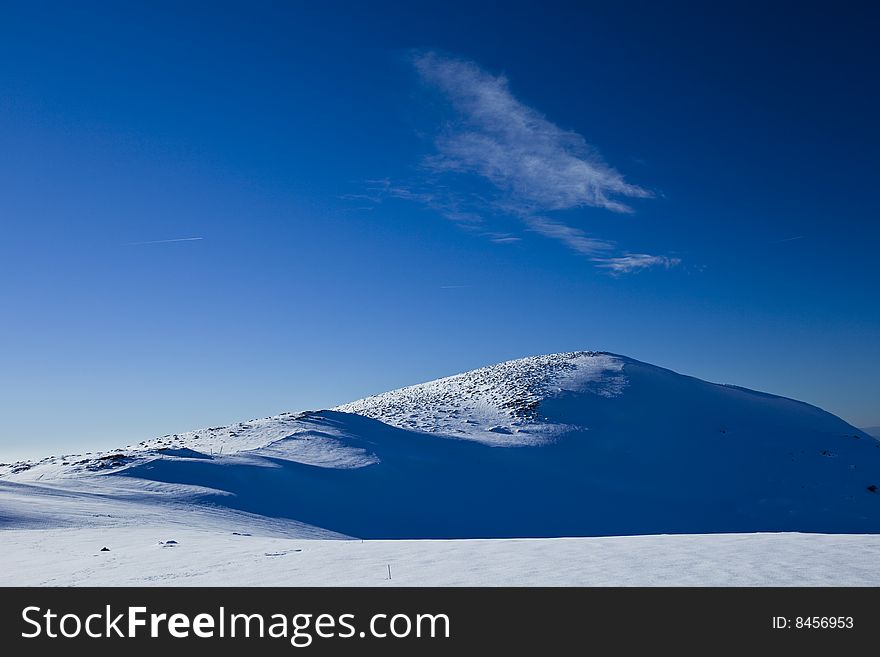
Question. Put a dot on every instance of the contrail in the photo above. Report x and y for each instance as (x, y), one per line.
(178, 239)
(788, 239)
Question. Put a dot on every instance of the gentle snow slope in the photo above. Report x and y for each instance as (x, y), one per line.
(141, 556)
(575, 444)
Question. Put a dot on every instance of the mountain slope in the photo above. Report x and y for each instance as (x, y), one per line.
(496, 405)
(576, 444)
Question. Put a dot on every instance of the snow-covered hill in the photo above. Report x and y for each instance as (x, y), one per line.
(500, 404)
(574, 444)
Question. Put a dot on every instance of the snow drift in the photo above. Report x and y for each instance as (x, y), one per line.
(575, 444)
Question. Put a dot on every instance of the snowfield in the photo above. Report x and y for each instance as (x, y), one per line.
(144, 557)
(759, 489)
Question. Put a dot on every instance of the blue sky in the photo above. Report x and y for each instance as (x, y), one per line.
(388, 193)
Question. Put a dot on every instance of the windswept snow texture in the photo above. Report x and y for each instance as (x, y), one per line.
(575, 444)
(497, 405)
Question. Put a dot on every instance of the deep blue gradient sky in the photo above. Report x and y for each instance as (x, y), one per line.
(351, 240)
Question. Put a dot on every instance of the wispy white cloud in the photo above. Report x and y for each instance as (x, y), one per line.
(631, 262)
(464, 210)
(176, 239)
(535, 169)
(502, 238)
(513, 146)
(574, 238)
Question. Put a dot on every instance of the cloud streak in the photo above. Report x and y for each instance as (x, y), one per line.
(177, 239)
(497, 157)
(574, 238)
(539, 165)
(631, 262)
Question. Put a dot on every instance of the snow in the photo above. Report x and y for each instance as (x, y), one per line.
(495, 405)
(139, 556)
(290, 436)
(107, 503)
(579, 444)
